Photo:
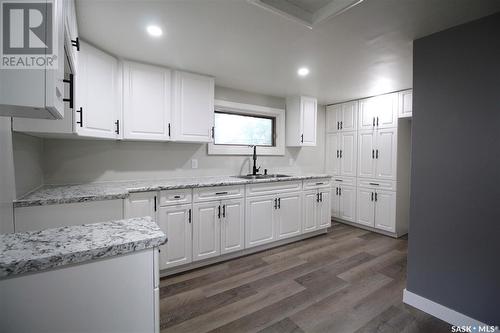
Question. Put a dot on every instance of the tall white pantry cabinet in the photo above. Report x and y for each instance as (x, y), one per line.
(368, 153)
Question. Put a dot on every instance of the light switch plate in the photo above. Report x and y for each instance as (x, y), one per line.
(194, 163)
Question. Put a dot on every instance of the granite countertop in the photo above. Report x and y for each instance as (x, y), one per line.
(60, 194)
(28, 252)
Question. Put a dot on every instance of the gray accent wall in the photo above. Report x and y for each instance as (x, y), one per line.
(454, 238)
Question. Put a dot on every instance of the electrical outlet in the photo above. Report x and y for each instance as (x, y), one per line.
(194, 163)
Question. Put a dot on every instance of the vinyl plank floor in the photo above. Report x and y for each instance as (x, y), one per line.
(348, 280)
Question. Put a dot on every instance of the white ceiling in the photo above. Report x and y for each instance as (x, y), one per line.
(365, 51)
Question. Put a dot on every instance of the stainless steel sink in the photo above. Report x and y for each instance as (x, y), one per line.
(270, 176)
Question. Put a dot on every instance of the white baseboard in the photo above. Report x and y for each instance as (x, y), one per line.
(439, 311)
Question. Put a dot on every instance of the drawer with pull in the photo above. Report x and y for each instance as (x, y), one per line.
(273, 187)
(347, 181)
(377, 184)
(310, 184)
(175, 197)
(218, 192)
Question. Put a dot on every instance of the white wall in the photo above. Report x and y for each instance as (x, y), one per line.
(27, 162)
(75, 161)
(7, 186)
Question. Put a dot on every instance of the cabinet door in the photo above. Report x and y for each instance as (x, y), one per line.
(367, 113)
(259, 220)
(348, 153)
(206, 229)
(310, 211)
(333, 154)
(174, 221)
(97, 94)
(385, 210)
(324, 210)
(233, 226)
(366, 154)
(194, 107)
(309, 110)
(146, 102)
(335, 201)
(140, 204)
(386, 151)
(349, 119)
(71, 31)
(347, 203)
(289, 215)
(333, 118)
(386, 111)
(365, 207)
(405, 103)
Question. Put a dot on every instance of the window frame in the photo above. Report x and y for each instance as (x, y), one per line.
(273, 127)
(256, 111)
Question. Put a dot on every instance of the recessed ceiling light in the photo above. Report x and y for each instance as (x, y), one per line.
(154, 30)
(303, 71)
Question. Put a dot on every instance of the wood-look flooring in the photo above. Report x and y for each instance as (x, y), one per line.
(349, 280)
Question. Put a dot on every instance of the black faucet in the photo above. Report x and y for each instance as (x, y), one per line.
(255, 169)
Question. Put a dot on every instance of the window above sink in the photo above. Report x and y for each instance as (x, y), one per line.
(239, 126)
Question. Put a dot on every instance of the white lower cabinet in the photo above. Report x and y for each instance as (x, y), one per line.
(140, 204)
(385, 210)
(365, 207)
(206, 230)
(175, 221)
(344, 202)
(288, 215)
(218, 228)
(233, 226)
(317, 209)
(376, 208)
(273, 217)
(259, 226)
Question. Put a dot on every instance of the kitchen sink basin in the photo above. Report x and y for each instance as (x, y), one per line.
(270, 176)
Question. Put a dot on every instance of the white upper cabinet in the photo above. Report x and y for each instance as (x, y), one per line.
(71, 32)
(301, 121)
(96, 97)
(193, 107)
(97, 100)
(342, 117)
(378, 112)
(146, 102)
(341, 150)
(36, 93)
(333, 154)
(385, 153)
(348, 153)
(405, 103)
(377, 154)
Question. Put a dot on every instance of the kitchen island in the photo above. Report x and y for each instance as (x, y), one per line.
(98, 277)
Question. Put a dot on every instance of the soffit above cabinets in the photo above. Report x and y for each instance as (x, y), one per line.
(307, 12)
